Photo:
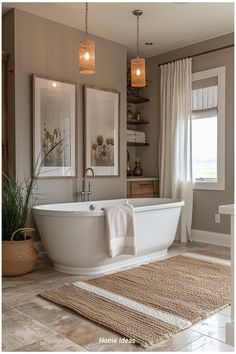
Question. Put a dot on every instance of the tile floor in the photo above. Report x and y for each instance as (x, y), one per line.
(31, 323)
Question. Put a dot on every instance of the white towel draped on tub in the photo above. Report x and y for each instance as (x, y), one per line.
(120, 230)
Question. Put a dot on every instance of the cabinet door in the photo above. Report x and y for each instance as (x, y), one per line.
(142, 188)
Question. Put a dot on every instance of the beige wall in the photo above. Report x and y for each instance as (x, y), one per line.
(205, 203)
(8, 46)
(50, 49)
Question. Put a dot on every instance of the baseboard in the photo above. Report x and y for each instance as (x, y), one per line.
(213, 238)
(229, 333)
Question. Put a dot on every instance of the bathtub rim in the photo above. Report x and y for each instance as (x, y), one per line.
(42, 211)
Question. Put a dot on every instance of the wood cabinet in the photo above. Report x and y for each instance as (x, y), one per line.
(142, 187)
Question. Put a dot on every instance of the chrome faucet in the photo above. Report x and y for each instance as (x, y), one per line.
(88, 169)
(85, 194)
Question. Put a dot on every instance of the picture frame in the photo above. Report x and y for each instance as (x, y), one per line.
(54, 121)
(101, 131)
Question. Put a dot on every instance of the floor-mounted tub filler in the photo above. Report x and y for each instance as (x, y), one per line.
(74, 237)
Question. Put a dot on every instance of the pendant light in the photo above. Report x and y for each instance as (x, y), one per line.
(138, 75)
(87, 51)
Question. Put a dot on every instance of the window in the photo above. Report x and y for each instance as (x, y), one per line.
(204, 148)
(208, 129)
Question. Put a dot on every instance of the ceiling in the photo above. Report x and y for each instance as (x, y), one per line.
(168, 25)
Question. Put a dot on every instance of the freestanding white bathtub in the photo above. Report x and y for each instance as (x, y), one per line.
(74, 236)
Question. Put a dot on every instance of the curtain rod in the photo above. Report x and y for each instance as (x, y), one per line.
(201, 53)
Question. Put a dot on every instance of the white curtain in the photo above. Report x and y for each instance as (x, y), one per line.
(175, 139)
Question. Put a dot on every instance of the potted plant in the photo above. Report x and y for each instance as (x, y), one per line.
(19, 255)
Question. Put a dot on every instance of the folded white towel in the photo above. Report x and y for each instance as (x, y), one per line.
(139, 132)
(137, 135)
(131, 131)
(135, 140)
(140, 140)
(120, 230)
(140, 135)
(135, 132)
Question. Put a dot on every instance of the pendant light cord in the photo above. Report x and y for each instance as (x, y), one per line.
(137, 36)
(86, 19)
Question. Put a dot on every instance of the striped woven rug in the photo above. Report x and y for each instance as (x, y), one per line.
(151, 302)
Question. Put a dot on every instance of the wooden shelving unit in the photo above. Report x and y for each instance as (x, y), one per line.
(139, 187)
(136, 99)
(136, 122)
(137, 144)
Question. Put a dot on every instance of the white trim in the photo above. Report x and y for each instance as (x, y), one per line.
(202, 257)
(229, 333)
(220, 73)
(205, 113)
(213, 238)
(135, 305)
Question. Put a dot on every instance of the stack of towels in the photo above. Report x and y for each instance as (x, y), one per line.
(136, 136)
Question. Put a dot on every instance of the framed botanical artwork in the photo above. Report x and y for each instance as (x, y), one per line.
(101, 130)
(54, 127)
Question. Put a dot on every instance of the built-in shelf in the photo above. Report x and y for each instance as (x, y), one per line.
(137, 122)
(142, 178)
(136, 99)
(137, 144)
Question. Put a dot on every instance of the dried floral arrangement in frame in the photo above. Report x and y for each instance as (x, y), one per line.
(101, 130)
(54, 124)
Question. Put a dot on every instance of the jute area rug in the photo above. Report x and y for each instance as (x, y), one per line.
(151, 302)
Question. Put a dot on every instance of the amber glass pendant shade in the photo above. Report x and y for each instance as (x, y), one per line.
(87, 57)
(138, 76)
(87, 51)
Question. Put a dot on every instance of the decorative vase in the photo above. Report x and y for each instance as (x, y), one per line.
(137, 115)
(138, 172)
(129, 171)
(130, 114)
(18, 257)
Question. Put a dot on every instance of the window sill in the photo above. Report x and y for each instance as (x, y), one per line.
(209, 186)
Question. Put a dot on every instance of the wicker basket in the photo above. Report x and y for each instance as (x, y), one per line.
(18, 257)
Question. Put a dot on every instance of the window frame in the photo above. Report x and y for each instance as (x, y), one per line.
(220, 183)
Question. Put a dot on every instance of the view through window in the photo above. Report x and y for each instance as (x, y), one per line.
(204, 148)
